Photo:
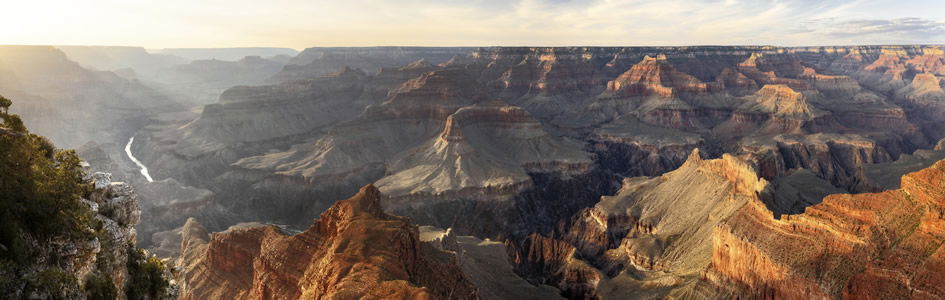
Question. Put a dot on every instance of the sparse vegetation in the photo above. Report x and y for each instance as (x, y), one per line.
(40, 192)
(145, 275)
(40, 188)
(100, 286)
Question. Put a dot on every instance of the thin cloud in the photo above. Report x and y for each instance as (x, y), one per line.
(909, 26)
(306, 23)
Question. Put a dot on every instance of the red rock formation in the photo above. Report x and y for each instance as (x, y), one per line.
(932, 60)
(354, 250)
(654, 77)
(774, 69)
(867, 246)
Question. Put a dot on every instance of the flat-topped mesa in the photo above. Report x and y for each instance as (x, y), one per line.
(354, 250)
(885, 245)
(434, 95)
(495, 113)
(654, 76)
(783, 102)
(838, 85)
(255, 113)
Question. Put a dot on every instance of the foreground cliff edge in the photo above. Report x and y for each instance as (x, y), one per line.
(65, 234)
(354, 250)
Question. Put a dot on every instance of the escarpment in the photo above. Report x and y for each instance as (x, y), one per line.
(353, 250)
(879, 245)
(654, 232)
(518, 144)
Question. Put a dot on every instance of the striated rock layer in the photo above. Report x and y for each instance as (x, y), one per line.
(884, 245)
(354, 250)
(652, 237)
(707, 230)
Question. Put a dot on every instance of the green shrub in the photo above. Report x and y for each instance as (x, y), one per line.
(100, 287)
(40, 188)
(145, 280)
(55, 283)
(40, 192)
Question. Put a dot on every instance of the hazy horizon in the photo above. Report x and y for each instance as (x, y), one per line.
(300, 24)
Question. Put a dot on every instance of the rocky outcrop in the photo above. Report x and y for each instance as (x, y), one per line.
(654, 77)
(489, 146)
(836, 158)
(353, 250)
(653, 232)
(881, 245)
(117, 209)
(486, 264)
(84, 267)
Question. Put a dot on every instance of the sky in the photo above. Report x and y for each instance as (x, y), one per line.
(300, 24)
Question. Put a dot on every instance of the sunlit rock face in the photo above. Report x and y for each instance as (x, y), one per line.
(354, 250)
(518, 144)
(654, 232)
(883, 245)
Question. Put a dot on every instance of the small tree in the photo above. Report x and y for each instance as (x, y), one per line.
(5, 104)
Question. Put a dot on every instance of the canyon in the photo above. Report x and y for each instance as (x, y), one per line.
(575, 172)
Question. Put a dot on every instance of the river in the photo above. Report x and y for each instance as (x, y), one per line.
(144, 169)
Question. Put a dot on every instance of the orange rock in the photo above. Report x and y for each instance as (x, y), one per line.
(354, 250)
(866, 246)
(654, 76)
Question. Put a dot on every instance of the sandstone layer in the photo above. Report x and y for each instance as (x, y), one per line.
(354, 250)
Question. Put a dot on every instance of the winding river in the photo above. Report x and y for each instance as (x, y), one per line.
(144, 170)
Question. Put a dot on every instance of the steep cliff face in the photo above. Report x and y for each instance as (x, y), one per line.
(353, 250)
(654, 77)
(96, 266)
(874, 246)
(651, 238)
(486, 264)
(490, 146)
